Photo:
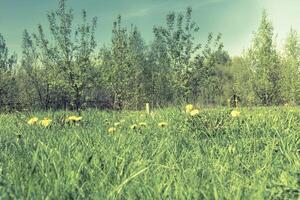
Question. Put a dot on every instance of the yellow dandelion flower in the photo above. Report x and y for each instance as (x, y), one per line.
(189, 108)
(73, 119)
(163, 124)
(45, 122)
(33, 121)
(134, 126)
(235, 113)
(194, 112)
(112, 130)
(143, 124)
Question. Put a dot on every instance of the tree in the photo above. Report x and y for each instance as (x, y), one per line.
(118, 71)
(265, 64)
(240, 85)
(179, 37)
(137, 60)
(7, 77)
(67, 58)
(160, 90)
(36, 73)
(291, 71)
(208, 75)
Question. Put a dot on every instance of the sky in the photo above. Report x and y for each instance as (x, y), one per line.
(237, 20)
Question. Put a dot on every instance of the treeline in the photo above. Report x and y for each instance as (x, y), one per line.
(65, 70)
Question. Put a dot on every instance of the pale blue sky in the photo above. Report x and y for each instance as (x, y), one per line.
(235, 19)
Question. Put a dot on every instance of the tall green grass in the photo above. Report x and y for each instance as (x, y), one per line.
(209, 156)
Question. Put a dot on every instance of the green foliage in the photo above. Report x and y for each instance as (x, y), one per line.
(123, 67)
(61, 69)
(210, 73)
(8, 87)
(178, 37)
(265, 64)
(290, 72)
(192, 70)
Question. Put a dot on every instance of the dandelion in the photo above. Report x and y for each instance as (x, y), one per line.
(112, 130)
(143, 124)
(194, 112)
(235, 113)
(33, 121)
(74, 119)
(189, 108)
(45, 122)
(163, 124)
(134, 126)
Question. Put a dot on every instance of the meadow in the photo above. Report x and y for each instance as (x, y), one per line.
(216, 153)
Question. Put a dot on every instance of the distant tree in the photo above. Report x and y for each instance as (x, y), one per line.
(193, 69)
(241, 83)
(265, 64)
(59, 68)
(209, 73)
(137, 61)
(37, 74)
(67, 58)
(123, 67)
(161, 90)
(118, 71)
(179, 39)
(291, 68)
(8, 88)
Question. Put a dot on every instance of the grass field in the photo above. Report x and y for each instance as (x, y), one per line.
(212, 155)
